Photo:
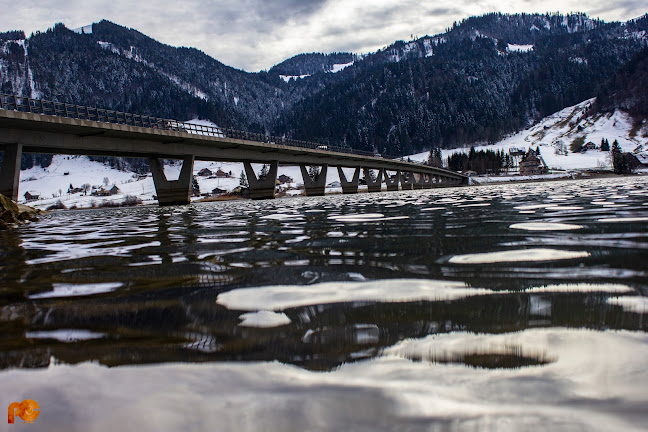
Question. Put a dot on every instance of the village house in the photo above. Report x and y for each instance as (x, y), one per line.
(589, 146)
(283, 179)
(641, 160)
(222, 174)
(31, 196)
(532, 164)
(205, 172)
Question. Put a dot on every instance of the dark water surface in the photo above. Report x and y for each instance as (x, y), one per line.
(509, 307)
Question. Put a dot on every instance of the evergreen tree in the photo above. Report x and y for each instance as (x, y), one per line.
(243, 182)
(618, 160)
(605, 145)
(195, 188)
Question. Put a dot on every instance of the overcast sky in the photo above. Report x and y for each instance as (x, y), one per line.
(257, 34)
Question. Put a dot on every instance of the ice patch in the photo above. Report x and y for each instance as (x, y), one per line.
(281, 297)
(628, 219)
(540, 254)
(368, 217)
(264, 319)
(545, 226)
(73, 290)
(581, 288)
(634, 304)
(65, 335)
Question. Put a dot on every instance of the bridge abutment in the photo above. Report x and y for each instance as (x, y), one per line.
(392, 181)
(263, 187)
(10, 171)
(314, 186)
(172, 192)
(349, 186)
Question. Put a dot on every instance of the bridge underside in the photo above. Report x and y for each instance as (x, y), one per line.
(31, 133)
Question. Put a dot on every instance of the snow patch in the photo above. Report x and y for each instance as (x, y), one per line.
(338, 67)
(519, 48)
(83, 30)
(287, 78)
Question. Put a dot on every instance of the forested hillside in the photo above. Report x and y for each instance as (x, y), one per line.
(483, 78)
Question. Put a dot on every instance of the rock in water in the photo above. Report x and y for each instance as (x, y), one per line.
(12, 213)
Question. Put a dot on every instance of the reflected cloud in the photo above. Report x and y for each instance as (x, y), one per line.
(264, 319)
(73, 290)
(545, 226)
(283, 297)
(539, 254)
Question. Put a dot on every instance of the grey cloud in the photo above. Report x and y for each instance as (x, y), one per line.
(255, 34)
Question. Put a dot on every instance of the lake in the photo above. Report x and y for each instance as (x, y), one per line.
(505, 307)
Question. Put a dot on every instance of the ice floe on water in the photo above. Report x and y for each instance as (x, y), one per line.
(283, 297)
(636, 304)
(518, 255)
(365, 217)
(71, 290)
(581, 288)
(545, 226)
(65, 335)
(264, 319)
(626, 219)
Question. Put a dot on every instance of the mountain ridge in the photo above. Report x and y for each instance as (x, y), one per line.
(483, 78)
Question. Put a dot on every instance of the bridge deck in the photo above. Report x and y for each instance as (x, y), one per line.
(53, 134)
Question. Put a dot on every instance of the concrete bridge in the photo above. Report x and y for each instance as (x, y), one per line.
(37, 126)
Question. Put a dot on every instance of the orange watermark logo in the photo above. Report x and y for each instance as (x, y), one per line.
(27, 410)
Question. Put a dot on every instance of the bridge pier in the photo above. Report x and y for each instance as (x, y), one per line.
(427, 181)
(314, 186)
(262, 188)
(418, 183)
(174, 192)
(373, 185)
(392, 181)
(349, 186)
(10, 171)
(407, 180)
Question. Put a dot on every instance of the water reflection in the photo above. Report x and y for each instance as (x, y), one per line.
(348, 276)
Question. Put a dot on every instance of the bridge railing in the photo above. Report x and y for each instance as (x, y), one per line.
(63, 109)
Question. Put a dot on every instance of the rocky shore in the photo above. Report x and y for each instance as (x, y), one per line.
(12, 214)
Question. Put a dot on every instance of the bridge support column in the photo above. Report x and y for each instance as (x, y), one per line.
(392, 181)
(373, 185)
(174, 192)
(407, 180)
(10, 171)
(264, 187)
(418, 183)
(349, 186)
(427, 181)
(314, 186)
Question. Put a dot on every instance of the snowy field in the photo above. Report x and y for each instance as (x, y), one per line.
(561, 129)
(553, 133)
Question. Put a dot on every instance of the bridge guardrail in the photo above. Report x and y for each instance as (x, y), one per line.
(63, 109)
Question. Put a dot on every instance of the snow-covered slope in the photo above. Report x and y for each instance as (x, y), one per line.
(555, 133)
